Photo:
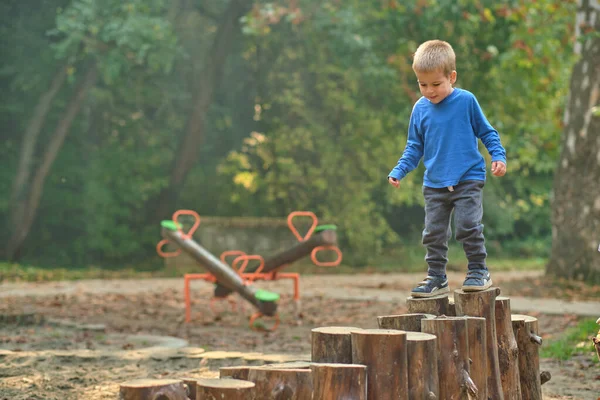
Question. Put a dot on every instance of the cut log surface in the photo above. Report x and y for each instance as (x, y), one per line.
(508, 351)
(153, 389)
(404, 322)
(281, 384)
(526, 333)
(453, 356)
(290, 365)
(332, 344)
(339, 381)
(220, 389)
(383, 351)
(422, 363)
(483, 304)
(476, 330)
(437, 305)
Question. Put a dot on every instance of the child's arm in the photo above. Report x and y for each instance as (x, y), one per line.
(412, 153)
(489, 137)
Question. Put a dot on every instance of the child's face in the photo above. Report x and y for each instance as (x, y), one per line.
(435, 85)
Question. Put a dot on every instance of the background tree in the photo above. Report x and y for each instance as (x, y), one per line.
(576, 206)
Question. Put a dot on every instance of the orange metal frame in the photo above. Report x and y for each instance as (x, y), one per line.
(243, 258)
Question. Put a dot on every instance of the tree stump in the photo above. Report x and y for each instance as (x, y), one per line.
(478, 368)
(383, 351)
(339, 381)
(437, 305)
(281, 384)
(422, 363)
(451, 312)
(404, 322)
(525, 330)
(237, 372)
(219, 389)
(191, 384)
(153, 389)
(332, 344)
(508, 352)
(483, 304)
(453, 356)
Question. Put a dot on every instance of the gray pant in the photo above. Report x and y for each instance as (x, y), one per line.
(466, 201)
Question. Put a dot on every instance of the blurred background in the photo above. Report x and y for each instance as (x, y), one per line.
(116, 113)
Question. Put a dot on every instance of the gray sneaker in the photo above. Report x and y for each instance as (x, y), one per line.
(431, 286)
(477, 280)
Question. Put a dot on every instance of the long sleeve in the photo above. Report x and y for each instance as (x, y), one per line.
(488, 135)
(412, 153)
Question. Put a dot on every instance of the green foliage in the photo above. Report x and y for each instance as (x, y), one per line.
(575, 341)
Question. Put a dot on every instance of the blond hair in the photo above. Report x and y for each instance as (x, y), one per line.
(434, 55)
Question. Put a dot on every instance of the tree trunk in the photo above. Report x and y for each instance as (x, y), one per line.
(281, 384)
(384, 353)
(428, 305)
(404, 322)
(421, 355)
(526, 332)
(339, 381)
(453, 356)
(508, 352)
(209, 79)
(163, 389)
(219, 389)
(477, 355)
(576, 198)
(332, 344)
(26, 157)
(30, 204)
(483, 304)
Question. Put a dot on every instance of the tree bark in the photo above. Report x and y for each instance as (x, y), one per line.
(339, 381)
(219, 389)
(332, 344)
(384, 353)
(237, 372)
(430, 305)
(483, 304)
(423, 378)
(281, 384)
(508, 352)
(576, 198)
(526, 332)
(404, 322)
(209, 79)
(478, 369)
(30, 204)
(453, 356)
(143, 389)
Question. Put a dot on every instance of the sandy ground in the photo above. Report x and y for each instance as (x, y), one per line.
(80, 340)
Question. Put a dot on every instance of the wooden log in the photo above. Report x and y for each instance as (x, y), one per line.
(383, 351)
(290, 365)
(154, 389)
(453, 356)
(422, 363)
(339, 381)
(545, 377)
(526, 333)
(451, 312)
(437, 305)
(219, 389)
(332, 344)
(236, 372)
(508, 351)
(191, 385)
(476, 330)
(483, 304)
(280, 384)
(404, 322)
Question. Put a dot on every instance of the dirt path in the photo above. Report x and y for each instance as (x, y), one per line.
(87, 358)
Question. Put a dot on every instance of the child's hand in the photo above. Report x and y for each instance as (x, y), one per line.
(394, 182)
(498, 168)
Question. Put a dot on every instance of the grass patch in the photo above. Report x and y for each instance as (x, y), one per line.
(575, 341)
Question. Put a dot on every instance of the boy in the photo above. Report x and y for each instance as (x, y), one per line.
(444, 127)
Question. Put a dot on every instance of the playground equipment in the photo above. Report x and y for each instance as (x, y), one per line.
(236, 278)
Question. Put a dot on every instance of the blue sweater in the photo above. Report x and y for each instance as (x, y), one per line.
(445, 135)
